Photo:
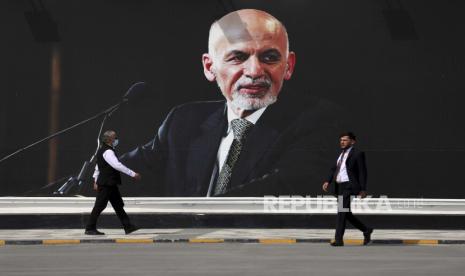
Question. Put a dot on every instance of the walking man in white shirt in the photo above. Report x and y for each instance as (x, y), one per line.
(106, 180)
(349, 175)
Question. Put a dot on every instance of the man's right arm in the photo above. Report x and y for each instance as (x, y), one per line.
(329, 179)
(112, 160)
(331, 174)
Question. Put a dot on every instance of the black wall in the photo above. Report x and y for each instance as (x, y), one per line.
(405, 96)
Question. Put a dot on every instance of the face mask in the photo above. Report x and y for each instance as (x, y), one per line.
(115, 143)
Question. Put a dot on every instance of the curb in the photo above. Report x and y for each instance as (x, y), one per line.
(210, 241)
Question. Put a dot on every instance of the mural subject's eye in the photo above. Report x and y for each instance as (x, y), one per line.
(237, 56)
(270, 56)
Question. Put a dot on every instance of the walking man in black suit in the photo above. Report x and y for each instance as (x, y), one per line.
(106, 180)
(349, 174)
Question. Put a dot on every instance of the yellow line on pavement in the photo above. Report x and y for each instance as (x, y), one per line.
(206, 240)
(134, 241)
(53, 242)
(420, 242)
(353, 242)
(277, 241)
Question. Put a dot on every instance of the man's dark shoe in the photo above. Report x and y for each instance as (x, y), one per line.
(131, 228)
(337, 243)
(367, 236)
(93, 232)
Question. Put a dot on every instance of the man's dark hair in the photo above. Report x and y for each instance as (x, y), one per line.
(348, 133)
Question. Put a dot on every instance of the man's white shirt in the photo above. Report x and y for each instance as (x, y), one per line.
(342, 176)
(112, 160)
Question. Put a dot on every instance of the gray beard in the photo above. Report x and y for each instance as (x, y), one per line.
(251, 103)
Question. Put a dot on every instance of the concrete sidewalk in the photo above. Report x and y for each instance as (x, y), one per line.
(215, 235)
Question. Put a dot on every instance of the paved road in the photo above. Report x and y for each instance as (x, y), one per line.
(231, 259)
(234, 233)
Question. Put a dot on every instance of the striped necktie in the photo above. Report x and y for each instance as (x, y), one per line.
(339, 164)
(240, 128)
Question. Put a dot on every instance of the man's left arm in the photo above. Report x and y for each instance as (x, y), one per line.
(362, 171)
(95, 177)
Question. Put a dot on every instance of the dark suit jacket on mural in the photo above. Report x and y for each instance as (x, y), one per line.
(283, 153)
(356, 170)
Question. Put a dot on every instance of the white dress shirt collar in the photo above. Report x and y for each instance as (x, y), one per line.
(253, 118)
(348, 150)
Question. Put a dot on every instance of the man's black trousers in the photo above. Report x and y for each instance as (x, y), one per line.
(344, 194)
(105, 194)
